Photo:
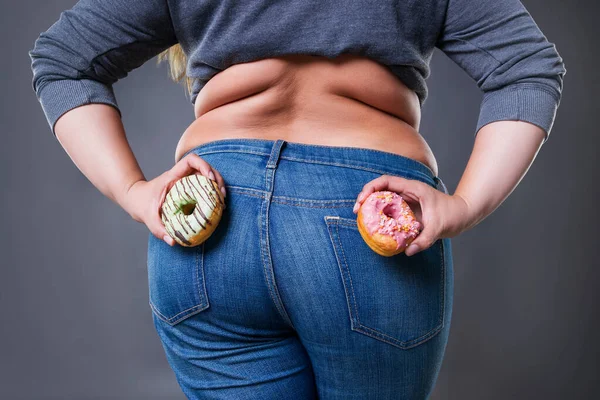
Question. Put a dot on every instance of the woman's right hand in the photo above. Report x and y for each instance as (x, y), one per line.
(144, 199)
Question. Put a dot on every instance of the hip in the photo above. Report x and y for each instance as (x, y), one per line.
(290, 213)
(287, 280)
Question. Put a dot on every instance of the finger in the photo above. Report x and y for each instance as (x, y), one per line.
(409, 189)
(196, 163)
(156, 225)
(412, 191)
(189, 165)
(424, 240)
(220, 181)
(377, 184)
(159, 231)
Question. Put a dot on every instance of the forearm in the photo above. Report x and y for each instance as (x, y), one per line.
(502, 154)
(94, 137)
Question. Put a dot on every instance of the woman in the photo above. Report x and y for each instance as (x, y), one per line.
(302, 110)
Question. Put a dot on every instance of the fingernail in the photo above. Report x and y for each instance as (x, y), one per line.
(168, 240)
(361, 195)
(412, 249)
(223, 191)
(211, 175)
(355, 207)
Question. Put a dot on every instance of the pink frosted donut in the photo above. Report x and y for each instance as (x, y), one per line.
(386, 223)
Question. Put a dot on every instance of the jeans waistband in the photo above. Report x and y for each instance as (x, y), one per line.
(356, 157)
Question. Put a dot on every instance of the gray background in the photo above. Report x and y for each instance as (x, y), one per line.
(73, 285)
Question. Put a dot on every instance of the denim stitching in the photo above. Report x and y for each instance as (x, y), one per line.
(232, 151)
(278, 301)
(245, 193)
(329, 221)
(353, 166)
(244, 188)
(348, 222)
(186, 316)
(280, 305)
(261, 251)
(173, 319)
(347, 273)
(297, 201)
(181, 312)
(158, 312)
(405, 345)
(197, 272)
(265, 264)
(271, 154)
(332, 205)
(374, 332)
(410, 160)
(204, 292)
(343, 257)
(314, 200)
(421, 175)
(266, 193)
(295, 144)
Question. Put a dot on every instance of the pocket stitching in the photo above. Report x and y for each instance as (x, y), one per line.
(348, 222)
(350, 278)
(169, 320)
(358, 326)
(203, 293)
(203, 298)
(272, 292)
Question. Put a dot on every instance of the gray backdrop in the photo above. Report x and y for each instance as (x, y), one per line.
(73, 286)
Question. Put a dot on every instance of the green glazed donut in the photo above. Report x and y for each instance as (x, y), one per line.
(192, 209)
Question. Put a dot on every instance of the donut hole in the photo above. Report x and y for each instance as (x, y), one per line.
(390, 211)
(188, 209)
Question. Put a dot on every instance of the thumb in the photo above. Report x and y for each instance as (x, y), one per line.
(168, 239)
(158, 229)
(157, 226)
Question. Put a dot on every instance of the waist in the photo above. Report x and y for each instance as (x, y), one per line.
(310, 101)
(249, 157)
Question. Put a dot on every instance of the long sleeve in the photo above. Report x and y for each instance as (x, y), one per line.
(91, 46)
(498, 44)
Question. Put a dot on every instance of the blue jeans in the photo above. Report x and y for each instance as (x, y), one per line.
(285, 300)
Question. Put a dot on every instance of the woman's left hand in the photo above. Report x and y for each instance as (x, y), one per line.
(442, 215)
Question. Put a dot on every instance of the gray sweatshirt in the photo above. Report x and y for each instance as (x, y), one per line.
(496, 42)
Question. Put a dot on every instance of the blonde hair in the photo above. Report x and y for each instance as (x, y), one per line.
(177, 60)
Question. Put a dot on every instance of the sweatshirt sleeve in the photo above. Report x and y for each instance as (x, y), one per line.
(91, 46)
(498, 44)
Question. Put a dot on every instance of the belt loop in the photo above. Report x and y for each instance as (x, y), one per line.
(440, 184)
(275, 151)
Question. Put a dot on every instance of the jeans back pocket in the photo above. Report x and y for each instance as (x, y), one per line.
(176, 283)
(398, 299)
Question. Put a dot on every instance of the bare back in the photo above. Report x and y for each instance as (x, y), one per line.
(347, 101)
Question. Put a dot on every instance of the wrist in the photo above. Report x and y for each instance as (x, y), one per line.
(466, 212)
(125, 200)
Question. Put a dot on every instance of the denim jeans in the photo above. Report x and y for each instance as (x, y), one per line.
(285, 300)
